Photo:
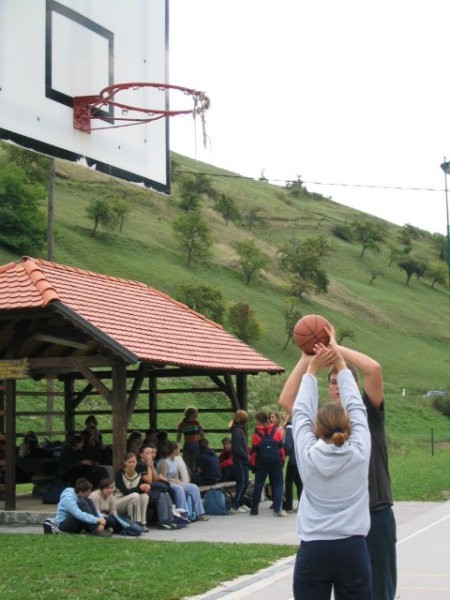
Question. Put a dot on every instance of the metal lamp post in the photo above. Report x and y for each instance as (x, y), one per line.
(445, 166)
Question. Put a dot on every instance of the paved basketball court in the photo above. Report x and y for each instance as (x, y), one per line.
(423, 550)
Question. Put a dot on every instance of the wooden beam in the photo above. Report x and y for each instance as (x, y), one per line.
(96, 383)
(55, 364)
(136, 388)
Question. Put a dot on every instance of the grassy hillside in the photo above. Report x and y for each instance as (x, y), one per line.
(406, 328)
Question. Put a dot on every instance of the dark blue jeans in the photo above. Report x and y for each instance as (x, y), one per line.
(343, 564)
(240, 473)
(381, 541)
(276, 478)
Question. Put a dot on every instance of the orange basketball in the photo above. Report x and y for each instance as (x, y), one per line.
(309, 331)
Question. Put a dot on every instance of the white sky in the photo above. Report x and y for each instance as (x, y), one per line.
(338, 91)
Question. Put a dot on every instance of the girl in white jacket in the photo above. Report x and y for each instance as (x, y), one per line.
(332, 447)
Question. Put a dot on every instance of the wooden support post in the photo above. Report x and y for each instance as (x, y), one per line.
(10, 445)
(119, 413)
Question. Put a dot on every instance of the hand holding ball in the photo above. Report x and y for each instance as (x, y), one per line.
(309, 331)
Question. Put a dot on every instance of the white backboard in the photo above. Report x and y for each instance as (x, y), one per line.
(52, 51)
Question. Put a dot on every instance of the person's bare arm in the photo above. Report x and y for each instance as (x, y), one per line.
(291, 387)
(371, 371)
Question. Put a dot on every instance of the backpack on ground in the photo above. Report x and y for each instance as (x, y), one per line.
(129, 527)
(214, 503)
(192, 513)
(268, 450)
(51, 527)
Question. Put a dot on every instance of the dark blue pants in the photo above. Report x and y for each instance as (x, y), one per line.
(73, 525)
(291, 477)
(240, 473)
(381, 541)
(343, 564)
(276, 478)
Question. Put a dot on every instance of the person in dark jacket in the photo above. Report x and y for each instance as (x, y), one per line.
(292, 476)
(93, 442)
(73, 464)
(241, 460)
(207, 471)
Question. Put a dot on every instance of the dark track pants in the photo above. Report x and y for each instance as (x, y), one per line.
(343, 564)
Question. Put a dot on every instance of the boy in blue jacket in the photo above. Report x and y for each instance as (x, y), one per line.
(76, 512)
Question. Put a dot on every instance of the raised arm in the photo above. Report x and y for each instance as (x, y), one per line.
(371, 371)
(292, 385)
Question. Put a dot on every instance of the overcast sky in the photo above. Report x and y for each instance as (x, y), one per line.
(352, 92)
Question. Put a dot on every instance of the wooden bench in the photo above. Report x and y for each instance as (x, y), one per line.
(228, 488)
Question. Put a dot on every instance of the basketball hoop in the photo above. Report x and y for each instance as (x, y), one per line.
(87, 108)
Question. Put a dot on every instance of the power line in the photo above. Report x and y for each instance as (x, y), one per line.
(331, 184)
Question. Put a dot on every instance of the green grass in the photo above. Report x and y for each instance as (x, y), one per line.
(82, 567)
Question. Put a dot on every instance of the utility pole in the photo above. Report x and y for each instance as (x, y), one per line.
(445, 166)
(50, 245)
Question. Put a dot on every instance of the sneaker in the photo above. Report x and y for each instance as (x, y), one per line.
(290, 512)
(202, 518)
(165, 526)
(236, 511)
(145, 529)
(280, 513)
(245, 508)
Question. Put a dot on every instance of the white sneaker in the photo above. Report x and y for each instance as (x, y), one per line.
(245, 508)
(236, 511)
(281, 513)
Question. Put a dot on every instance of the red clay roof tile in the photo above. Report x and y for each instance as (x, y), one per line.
(146, 322)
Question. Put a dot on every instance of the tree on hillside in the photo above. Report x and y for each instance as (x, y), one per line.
(302, 260)
(242, 322)
(295, 188)
(23, 226)
(367, 234)
(226, 206)
(194, 236)
(202, 298)
(251, 216)
(343, 232)
(192, 187)
(251, 259)
(395, 254)
(103, 215)
(412, 266)
(439, 242)
(35, 166)
(291, 313)
(121, 209)
(437, 272)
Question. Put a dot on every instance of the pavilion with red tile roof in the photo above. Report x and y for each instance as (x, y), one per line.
(73, 324)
